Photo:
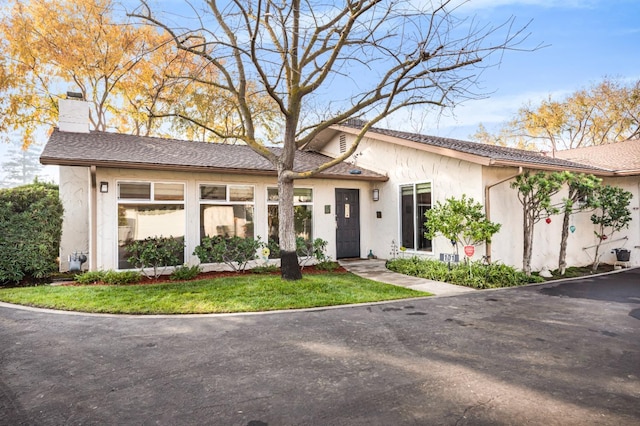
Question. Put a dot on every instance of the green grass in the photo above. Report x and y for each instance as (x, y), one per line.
(235, 294)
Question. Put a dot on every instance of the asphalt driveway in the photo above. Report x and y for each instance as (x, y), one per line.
(565, 354)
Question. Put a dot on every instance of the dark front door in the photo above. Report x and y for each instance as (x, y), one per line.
(348, 223)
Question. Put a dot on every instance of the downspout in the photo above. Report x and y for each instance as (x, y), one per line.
(487, 204)
(93, 220)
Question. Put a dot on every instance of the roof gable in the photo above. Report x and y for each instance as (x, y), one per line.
(475, 152)
(128, 151)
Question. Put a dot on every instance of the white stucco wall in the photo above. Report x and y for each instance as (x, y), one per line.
(449, 178)
(507, 245)
(452, 178)
(74, 194)
(324, 225)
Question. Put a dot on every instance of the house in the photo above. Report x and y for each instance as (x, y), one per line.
(116, 188)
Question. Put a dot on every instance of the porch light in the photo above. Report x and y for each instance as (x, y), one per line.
(104, 187)
(376, 194)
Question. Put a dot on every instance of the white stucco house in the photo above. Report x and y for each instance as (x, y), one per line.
(117, 187)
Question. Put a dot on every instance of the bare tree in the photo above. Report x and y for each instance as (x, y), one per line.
(361, 58)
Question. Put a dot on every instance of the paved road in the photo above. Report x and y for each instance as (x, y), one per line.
(560, 354)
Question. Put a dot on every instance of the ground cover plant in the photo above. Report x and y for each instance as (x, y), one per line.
(469, 274)
(239, 293)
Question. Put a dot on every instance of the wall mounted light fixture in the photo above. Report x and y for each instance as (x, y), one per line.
(104, 187)
(376, 194)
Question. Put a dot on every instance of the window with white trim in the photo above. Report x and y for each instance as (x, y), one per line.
(226, 210)
(415, 200)
(147, 210)
(302, 213)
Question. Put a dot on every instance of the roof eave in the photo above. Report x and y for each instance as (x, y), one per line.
(50, 161)
(447, 152)
(550, 167)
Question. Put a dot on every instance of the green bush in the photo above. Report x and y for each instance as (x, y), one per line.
(234, 251)
(308, 250)
(30, 230)
(328, 266)
(184, 273)
(274, 249)
(265, 269)
(470, 274)
(156, 253)
(108, 277)
(90, 277)
(122, 277)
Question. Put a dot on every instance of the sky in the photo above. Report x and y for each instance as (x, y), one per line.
(586, 41)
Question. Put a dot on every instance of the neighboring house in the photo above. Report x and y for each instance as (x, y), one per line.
(116, 188)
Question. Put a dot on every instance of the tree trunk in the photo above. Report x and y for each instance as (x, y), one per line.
(289, 266)
(528, 244)
(562, 260)
(596, 258)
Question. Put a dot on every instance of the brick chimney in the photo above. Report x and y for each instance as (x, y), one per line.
(73, 114)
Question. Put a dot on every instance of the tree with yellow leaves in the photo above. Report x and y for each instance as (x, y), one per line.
(127, 72)
(606, 112)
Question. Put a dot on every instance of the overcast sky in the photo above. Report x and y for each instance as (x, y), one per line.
(587, 40)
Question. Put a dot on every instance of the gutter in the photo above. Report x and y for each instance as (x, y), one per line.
(487, 204)
(93, 221)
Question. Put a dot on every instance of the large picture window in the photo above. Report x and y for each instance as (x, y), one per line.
(415, 200)
(226, 210)
(302, 213)
(147, 210)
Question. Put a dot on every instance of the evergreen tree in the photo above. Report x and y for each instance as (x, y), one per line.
(22, 166)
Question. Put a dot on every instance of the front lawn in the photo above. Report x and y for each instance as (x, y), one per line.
(246, 293)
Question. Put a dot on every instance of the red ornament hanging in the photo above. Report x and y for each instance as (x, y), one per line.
(548, 220)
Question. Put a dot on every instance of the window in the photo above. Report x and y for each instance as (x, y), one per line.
(146, 210)
(302, 213)
(226, 210)
(415, 200)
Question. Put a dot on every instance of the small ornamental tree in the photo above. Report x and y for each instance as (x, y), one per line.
(612, 214)
(460, 220)
(534, 193)
(581, 189)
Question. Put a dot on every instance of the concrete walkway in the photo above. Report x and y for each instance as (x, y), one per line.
(375, 269)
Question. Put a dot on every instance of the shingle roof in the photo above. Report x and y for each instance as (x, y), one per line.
(497, 154)
(620, 156)
(129, 151)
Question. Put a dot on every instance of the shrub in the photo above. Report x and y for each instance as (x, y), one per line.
(30, 226)
(90, 277)
(184, 273)
(308, 250)
(265, 269)
(470, 274)
(274, 249)
(328, 265)
(108, 277)
(156, 253)
(234, 251)
(122, 277)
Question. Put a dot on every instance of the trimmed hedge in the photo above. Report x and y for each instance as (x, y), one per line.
(30, 230)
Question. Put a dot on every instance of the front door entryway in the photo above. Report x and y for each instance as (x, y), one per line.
(348, 223)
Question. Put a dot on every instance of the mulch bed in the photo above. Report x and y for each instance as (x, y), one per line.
(307, 270)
